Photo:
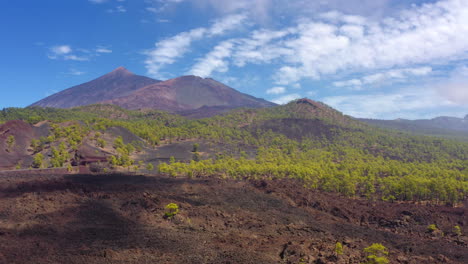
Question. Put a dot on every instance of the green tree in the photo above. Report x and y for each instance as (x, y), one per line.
(196, 156)
(377, 254)
(338, 248)
(36, 145)
(118, 143)
(195, 147)
(101, 143)
(38, 160)
(10, 142)
(149, 167)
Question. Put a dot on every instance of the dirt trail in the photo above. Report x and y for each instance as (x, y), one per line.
(119, 219)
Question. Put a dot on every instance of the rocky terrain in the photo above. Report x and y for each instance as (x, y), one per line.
(120, 219)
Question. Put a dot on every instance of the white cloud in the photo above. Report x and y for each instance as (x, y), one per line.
(340, 43)
(97, 1)
(259, 48)
(62, 49)
(103, 50)
(420, 35)
(352, 82)
(75, 58)
(64, 52)
(455, 89)
(67, 53)
(390, 105)
(117, 9)
(225, 24)
(213, 61)
(276, 90)
(167, 51)
(384, 77)
(286, 98)
(76, 72)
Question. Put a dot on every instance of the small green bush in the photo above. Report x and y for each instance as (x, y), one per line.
(377, 254)
(149, 167)
(432, 228)
(338, 248)
(172, 210)
(457, 230)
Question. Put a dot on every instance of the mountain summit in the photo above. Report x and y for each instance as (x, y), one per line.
(187, 93)
(123, 88)
(119, 82)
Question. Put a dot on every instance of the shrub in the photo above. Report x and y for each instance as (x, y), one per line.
(149, 167)
(172, 210)
(432, 228)
(195, 147)
(10, 142)
(377, 254)
(457, 230)
(338, 248)
(38, 160)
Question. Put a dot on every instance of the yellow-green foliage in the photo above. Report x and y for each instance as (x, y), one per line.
(377, 254)
(432, 228)
(10, 142)
(457, 230)
(172, 210)
(149, 167)
(38, 160)
(341, 155)
(338, 248)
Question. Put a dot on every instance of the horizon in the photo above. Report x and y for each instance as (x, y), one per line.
(383, 60)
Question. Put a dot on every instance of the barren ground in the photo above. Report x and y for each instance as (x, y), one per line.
(119, 219)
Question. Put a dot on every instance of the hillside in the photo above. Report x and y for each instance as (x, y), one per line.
(281, 184)
(187, 93)
(304, 139)
(123, 88)
(451, 127)
(117, 83)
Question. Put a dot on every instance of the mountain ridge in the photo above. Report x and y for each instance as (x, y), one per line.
(123, 88)
(116, 83)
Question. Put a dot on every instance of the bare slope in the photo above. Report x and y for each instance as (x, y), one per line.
(117, 83)
(188, 93)
(119, 219)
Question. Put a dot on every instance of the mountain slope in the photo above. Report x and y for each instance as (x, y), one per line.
(187, 93)
(123, 88)
(452, 127)
(117, 83)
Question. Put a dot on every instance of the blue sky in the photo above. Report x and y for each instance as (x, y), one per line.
(367, 58)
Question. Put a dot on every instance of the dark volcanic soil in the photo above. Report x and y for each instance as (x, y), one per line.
(119, 219)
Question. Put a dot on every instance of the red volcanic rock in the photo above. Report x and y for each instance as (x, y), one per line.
(23, 133)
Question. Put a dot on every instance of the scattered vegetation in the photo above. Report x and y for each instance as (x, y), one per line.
(377, 254)
(315, 144)
(10, 142)
(149, 167)
(38, 161)
(432, 228)
(172, 210)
